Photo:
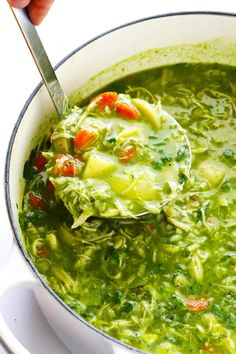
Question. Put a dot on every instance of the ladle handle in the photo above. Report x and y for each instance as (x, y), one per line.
(40, 57)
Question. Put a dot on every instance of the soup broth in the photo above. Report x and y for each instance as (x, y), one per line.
(163, 283)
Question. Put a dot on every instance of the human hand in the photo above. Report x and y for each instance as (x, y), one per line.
(37, 9)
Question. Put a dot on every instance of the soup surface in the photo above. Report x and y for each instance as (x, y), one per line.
(163, 283)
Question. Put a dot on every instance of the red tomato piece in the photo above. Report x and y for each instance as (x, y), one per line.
(127, 154)
(42, 251)
(69, 169)
(84, 138)
(197, 306)
(40, 163)
(126, 110)
(50, 187)
(105, 99)
(36, 201)
(65, 166)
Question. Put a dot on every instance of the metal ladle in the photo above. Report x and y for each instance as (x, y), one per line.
(42, 62)
(49, 77)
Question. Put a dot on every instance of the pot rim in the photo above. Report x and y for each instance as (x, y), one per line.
(17, 236)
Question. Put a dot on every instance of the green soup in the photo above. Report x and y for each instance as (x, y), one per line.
(163, 283)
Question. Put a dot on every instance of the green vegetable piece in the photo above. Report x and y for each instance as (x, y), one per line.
(120, 183)
(196, 268)
(144, 187)
(150, 111)
(62, 145)
(66, 235)
(141, 186)
(63, 277)
(99, 165)
(42, 265)
(228, 345)
(127, 133)
(91, 295)
(150, 338)
(52, 241)
(212, 171)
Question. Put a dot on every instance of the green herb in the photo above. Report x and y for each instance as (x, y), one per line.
(35, 217)
(198, 215)
(111, 139)
(166, 157)
(224, 315)
(229, 154)
(87, 315)
(181, 153)
(161, 143)
(195, 289)
(117, 297)
(183, 177)
(158, 165)
(127, 308)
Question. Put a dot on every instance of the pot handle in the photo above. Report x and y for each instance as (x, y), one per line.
(15, 273)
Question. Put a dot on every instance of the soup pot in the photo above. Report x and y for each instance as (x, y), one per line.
(161, 40)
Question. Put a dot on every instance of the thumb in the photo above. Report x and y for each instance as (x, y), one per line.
(38, 9)
(18, 3)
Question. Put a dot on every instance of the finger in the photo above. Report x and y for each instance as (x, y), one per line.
(19, 3)
(38, 9)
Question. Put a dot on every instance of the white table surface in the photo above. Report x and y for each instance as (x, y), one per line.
(69, 24)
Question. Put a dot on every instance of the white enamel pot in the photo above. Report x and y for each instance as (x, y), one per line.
(183, 29)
